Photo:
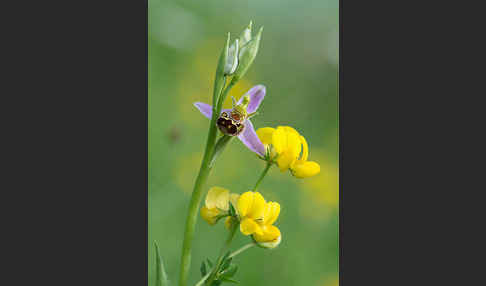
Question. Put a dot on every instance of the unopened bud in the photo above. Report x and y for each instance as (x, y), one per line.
(247, 55)
(232, 59)
(245, 36)
(220, 72)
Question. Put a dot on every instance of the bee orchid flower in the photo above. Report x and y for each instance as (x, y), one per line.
(236, 121)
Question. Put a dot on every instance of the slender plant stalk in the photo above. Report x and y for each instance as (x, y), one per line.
(264, 173)
(223, 251)
(201, 282)
(224, 95)
(206, 166)
(243, 248)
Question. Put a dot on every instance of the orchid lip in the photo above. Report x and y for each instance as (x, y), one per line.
(248, 135)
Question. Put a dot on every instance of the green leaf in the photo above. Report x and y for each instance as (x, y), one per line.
(230, 272)
(232, 210)
(203, 269)
(210, 263)
(226, 264)
(226, 255)
(160, 274)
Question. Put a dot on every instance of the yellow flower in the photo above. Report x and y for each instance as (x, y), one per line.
(257, 218)
(290, 149)
(216, 203)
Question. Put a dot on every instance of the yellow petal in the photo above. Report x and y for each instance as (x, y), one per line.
(209, 215)
(305, 169)
(269, 233)
(217, 197)
(265, 134)
(244, 203)
(285, 160)
(305, 149)
(257, 209)
(279, 139)
(271, 244)
(290, 129)
(294, 144)
(293, 140)
(271, 213)
(249, 226)
(233, 198)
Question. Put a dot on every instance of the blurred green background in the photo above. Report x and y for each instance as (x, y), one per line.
(298, 63)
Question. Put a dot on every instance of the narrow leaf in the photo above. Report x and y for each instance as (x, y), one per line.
(226, 263)
(232, 210)
(203, 269)
(160, 274)
(230, 272)
(210, 264)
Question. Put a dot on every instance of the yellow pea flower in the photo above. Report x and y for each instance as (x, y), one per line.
(215, 204)
(257, 218)
(255, 215)
(290, 150)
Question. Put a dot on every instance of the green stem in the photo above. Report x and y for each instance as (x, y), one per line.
(223, 251)
(233, 254)
(206, 166)
(243, 248)
(264, 173)
(201, 282)
(225, 94)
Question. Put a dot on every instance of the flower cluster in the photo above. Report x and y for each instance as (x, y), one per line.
(254, 215)
(289, 150)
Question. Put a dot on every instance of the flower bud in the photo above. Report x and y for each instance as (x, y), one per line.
(245, 36)
(247, 54)
(220, 71)
(232, 59)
